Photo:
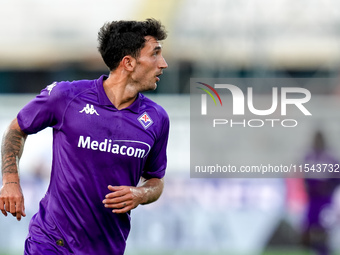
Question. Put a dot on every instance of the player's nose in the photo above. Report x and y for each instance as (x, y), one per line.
(163, 64)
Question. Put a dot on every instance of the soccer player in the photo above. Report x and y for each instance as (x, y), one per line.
(320, 192)
(109, 147)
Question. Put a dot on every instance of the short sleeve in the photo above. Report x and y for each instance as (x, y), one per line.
(41, 112)
(157, 160)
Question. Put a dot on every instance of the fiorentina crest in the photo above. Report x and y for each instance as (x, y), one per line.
(145, 120)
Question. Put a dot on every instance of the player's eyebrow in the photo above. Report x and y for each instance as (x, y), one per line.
(157, 48)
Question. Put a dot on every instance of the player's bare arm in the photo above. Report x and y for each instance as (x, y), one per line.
(125, 198)
(11, 196)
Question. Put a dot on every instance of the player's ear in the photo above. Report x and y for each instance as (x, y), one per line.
(129, 63)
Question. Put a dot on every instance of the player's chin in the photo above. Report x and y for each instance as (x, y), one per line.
(149, 87)
(152, 86)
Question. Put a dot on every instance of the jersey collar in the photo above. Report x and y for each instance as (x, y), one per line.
(104, 100)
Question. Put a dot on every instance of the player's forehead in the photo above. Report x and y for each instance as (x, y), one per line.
(151, 43)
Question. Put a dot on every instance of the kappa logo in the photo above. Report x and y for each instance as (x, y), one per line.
(145, 120)
(50, 87)
(89, 110)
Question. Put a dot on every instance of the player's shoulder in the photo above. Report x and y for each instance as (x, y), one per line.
(69, 89)
(147, 103)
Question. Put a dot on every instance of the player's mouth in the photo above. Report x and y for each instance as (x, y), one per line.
(157, 76)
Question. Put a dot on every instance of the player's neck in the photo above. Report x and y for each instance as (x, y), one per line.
(119, 91)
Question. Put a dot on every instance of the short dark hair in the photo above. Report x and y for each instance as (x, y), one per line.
(121, 38)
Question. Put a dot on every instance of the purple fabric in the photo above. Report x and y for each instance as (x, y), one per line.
(94, 145)
(320, 191)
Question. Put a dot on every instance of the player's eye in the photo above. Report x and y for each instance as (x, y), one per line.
(156, 52)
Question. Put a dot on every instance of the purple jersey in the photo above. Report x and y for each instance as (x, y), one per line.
(320, 191)
(94, 145)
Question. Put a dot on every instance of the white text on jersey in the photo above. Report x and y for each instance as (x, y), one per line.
(116, 146)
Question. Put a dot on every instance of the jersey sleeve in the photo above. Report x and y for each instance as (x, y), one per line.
(157, 160)
(43, 111)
